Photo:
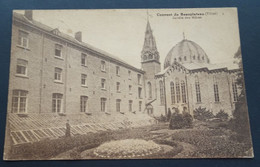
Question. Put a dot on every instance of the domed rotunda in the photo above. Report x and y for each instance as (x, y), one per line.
(186, 51)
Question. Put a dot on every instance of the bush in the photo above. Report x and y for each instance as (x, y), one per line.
(169, 114)
(222, 115)
(161, 118)
(187, 119)
(240, 121)
(202, 114)
(179, 121)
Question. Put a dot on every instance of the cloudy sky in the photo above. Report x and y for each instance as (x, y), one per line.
(121, 32)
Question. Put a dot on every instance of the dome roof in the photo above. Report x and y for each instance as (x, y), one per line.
(186, 51)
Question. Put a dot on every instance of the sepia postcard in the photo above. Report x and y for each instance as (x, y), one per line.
(126, 84)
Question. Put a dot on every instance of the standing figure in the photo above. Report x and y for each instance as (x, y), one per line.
(67, 134)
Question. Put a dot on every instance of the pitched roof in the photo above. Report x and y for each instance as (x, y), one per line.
(197, 66)
(72, 39)
(194, 66)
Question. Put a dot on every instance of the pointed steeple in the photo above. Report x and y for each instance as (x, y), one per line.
(149, 51)
(149, 41)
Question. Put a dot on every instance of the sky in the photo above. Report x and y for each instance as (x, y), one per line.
(120, 32)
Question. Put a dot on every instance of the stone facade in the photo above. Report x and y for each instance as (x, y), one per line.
(40, 84)
(223, 77)
(65, 75)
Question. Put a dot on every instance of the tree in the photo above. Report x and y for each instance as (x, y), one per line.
(240, 122)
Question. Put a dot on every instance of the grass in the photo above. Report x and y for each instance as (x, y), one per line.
(210, 139)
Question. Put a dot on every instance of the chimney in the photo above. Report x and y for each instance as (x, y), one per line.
(28, 14)
(78, 36)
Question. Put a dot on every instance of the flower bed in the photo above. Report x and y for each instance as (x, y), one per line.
(129, 148)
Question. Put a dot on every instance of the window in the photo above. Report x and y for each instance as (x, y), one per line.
(118, 101)
(216, 92)
(179, 58)
(103, 83)
(83, 103)
(150, 56)
(58, 74)
(172, 92)
(185, 58)
(23, 39)
(19, 101)
(83, 79)
(130, 88)
(149, 85)
(194, 57)
(103, 104)
(161, 92)
(103, 66)
(183, 92)
(21, 67)
(58, 50)
(234, 88)
(139, 79)
(130, 105)
(118, 70)
(118, 86)
(178, 93)
(56, 102)
(140, 106)
(197, 87)
(140, 93)
(83, 59)
(129, 74)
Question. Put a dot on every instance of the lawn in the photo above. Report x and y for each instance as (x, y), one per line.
(203, 140)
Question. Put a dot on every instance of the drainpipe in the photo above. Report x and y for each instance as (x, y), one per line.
(65, 80)
(41, 74)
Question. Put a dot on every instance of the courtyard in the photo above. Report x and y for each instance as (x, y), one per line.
(211, 139)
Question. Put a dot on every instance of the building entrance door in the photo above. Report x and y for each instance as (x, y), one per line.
(149, 109)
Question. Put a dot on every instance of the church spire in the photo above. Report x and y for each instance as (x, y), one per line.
(149, 41)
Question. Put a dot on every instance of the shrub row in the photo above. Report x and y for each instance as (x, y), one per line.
(203, 114)
(179, 121)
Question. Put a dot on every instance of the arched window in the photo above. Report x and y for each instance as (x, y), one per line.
(149, 85)
(194, 57)
(150, 56)
(198, 57)
(197, 87)
(216, 93)
(202, 57)
(161, 92)
(172, 92)
(234, 88)
(183, 92)
(185, 58)
(179, 58)
(178, 93)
